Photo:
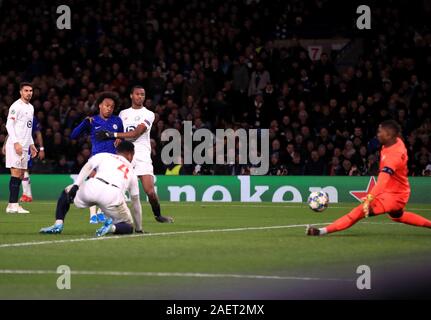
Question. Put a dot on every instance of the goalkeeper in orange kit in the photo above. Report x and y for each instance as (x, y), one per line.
(391, 193)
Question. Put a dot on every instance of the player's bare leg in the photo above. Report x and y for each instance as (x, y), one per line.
(93, 215)
(100, 215)
(16, 176)
(148, 185)
(96, 215)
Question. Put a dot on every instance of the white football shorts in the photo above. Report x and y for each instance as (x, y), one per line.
(13, 160)
(142, 166)
(108, 198)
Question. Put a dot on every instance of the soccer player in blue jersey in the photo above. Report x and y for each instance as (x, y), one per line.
(105, 120)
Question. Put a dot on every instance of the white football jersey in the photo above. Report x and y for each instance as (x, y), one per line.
(131, 119)
(20, 118)
(116, 170)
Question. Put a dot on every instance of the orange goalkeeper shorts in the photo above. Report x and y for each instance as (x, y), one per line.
(388, 202)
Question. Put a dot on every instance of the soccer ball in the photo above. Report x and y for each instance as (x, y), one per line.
(318, 201)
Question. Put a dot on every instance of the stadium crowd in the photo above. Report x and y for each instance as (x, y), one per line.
(217, 65)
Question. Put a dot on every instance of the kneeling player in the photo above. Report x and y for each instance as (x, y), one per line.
(391, 193)
(114, 175)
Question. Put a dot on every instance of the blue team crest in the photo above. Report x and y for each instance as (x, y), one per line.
(115, 126)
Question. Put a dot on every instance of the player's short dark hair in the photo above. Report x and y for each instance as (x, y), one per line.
(391, 125)
(25, 84)
(108, 95)
(126, 147)
(136, 87)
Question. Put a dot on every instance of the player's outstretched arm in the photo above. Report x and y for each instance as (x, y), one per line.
(39, 140)
(72, 189)
(105, 135)
(10, 127)
(84, 126)
(382, 181)
(33, 151)
(134, 134)
(3, 150)
(85, 172)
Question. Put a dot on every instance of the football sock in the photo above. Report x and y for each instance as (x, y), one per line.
(323, 231)
(345, 221)
(63, 206)
(14, 186)
(413, 219)
(26, 184)
(122, 228)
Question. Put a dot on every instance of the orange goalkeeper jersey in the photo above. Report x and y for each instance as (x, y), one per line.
(393, 161)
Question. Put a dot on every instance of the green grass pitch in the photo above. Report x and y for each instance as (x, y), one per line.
(213, 250)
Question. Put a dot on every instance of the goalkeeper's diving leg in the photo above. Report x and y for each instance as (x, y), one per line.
(376, 207)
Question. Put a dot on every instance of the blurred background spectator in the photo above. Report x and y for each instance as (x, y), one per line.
(217, 64)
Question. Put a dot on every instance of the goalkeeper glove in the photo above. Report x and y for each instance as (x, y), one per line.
(366, 204)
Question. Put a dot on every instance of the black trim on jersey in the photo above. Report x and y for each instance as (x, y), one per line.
(388, 170)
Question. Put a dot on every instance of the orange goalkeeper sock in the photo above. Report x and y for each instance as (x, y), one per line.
(345, 221)
(413, 219)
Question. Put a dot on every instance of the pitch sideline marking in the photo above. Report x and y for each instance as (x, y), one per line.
(172, 274)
